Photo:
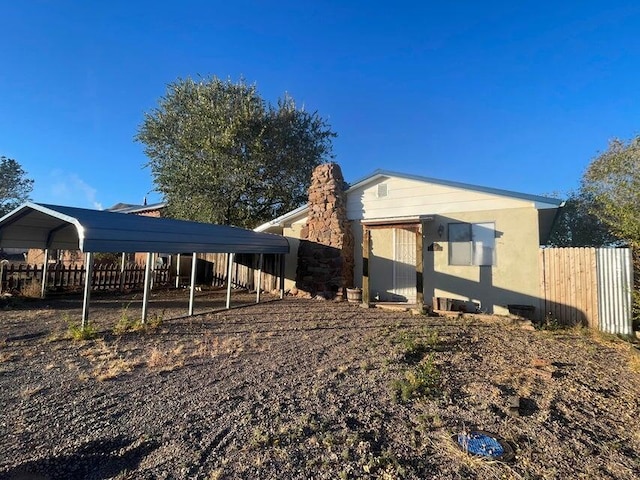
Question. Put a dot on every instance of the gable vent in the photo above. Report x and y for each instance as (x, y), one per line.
(382, 190)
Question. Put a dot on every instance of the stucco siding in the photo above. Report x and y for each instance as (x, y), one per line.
(292, 234)
(513, 279)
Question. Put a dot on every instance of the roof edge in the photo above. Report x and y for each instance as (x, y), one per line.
(282, 218)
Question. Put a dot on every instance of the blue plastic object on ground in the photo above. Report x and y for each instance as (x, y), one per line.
(481, 444)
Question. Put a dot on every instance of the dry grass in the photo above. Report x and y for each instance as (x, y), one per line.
(213, 345)
(113, 368)
(165, 361)
(107, 361)
(31, 290)
(8, 357)
(29, 391)
(634, 359)
(469, 466)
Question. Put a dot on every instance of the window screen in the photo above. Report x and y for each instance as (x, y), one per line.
(471, 243)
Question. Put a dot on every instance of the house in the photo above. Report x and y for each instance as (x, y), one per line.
(413, 239)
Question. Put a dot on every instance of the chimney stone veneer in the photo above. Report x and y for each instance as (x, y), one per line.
(325, 255)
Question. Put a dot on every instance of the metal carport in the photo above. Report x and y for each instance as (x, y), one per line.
(34, 225)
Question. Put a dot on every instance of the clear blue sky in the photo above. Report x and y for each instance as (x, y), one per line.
(507, 94)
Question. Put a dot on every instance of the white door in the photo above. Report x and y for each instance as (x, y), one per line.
(404, 265)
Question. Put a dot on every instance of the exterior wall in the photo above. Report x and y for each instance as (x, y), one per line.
(412, 198)
(514, 279)
(356, 229)
(292, 234)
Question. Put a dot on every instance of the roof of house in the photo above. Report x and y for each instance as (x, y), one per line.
(34, 225)
(540, 202)
(130, 208)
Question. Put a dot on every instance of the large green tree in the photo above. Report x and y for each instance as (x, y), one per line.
(220, 153)
(15, 187)
(612, 180)
(577, 226)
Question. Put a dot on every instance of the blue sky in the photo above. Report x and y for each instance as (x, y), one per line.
(514, 95)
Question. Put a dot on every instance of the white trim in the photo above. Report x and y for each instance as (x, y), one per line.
(397, 220)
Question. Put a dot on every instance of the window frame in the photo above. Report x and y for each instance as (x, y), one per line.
(473, 245)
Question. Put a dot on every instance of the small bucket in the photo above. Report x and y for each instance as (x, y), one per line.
(354, 295)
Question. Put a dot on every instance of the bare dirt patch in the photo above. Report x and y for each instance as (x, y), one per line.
(306, 389)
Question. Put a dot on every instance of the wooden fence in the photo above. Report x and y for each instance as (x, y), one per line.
(587, 286)
(244, 273)
(61, 277)
(212, 270)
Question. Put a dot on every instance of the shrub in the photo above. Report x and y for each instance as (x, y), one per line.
(421, 381)
(79, 332)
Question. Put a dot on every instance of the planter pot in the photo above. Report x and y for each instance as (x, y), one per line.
(354, 295)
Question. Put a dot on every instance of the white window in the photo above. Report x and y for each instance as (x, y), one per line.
(472, 244)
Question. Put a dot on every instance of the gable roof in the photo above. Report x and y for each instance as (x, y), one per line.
(129, 208)
(34, 225)
(540, 202)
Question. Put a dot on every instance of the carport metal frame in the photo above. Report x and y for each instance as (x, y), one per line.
(34, 225)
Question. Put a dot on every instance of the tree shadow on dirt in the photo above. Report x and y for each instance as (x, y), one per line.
(95, 460)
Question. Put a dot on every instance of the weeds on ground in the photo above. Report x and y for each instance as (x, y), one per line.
(415, 344)
(127, 324)
(421, 381)
(79, 332)
(551, 324)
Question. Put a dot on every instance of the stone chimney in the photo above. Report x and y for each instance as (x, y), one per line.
(325, 255)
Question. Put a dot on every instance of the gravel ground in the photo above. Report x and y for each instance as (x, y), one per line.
(305, 389)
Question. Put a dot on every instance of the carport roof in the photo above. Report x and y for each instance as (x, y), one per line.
(34, 225)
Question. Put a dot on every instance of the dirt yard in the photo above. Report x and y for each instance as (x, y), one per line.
(306, 389)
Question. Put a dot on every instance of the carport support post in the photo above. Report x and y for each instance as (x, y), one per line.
(259, 285)
(366, 247)
(45, 266)
(282, 257)
(192, 291)
(419, 269)
(153, 269)
(230, 257)
(88, 276)
(147, 282)
(178, 271)
(122, 263)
